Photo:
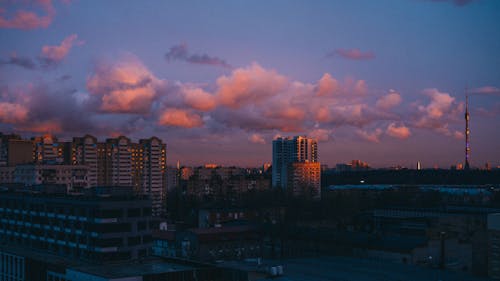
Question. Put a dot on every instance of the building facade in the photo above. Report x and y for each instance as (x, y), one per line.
(494, 246)
(99, 225)
(304, 179)
(286, 151)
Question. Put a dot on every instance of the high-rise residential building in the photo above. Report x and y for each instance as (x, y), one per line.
(291, 150)
(119, 151)
(151, 171)
(47, 150)
(115, 162)
(84, 152)
(304, 179)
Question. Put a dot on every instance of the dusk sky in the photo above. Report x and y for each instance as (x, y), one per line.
(382, 81)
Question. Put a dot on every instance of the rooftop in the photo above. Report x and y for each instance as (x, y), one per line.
(343, 268)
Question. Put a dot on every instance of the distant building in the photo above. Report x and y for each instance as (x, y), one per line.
(358, 165)
(115, 162)
(47, 150)
(84, 152)
(291, 150)
(172, 178)
(209, 244)
(73, 177)
(304, 179)
(152, 171)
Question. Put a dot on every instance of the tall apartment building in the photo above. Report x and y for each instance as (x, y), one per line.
(119, 151)
(115, 162)
(47, 150)
(304, 179)
(151, 167)
(291, 150)
(84, 152)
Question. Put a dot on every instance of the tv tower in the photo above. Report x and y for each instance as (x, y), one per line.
(467, 131)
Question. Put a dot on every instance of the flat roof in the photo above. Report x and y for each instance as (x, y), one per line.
(131, 269)
(118, 269)
(346, 268)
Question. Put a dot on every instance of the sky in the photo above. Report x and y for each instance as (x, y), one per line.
(381, 81)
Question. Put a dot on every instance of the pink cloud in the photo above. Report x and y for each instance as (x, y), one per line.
(327, 85)
(257, 138)
(198, 99)
(458, 135)
(439, 112)
(12, 113)
(124, 87)
(49, 126)
(401, 132)
(288, 113)
(24, 19)
(52, 55)
(392, 99)
(249, 86)
(373, 136)
(353, 54)
(180, 118)
(320, 134)
(486, 90)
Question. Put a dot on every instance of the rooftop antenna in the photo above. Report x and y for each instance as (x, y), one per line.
(467, 131)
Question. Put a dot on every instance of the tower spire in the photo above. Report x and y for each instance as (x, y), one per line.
(467, 131)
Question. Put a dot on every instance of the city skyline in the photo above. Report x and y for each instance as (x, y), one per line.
(382, 82)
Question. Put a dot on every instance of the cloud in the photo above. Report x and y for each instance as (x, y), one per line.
(180, 118)
(249, 85)
(257, 138)
(401, 132)
(327, 86)
(24, 62)
(373, 136)
(180, 52)
(352, 54)
(126, 86)
(26, 19)
(53, 55)
(438, 113)
(458, 135)
(198, 99)
(492, 111)
(12, 113)
(320, 134)
(486, 90)
(43, 108)
(392, 99)
(42, 127)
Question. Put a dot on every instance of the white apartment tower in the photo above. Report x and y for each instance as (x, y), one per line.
(291, 150)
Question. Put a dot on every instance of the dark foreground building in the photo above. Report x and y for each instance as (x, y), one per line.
(101, 234)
